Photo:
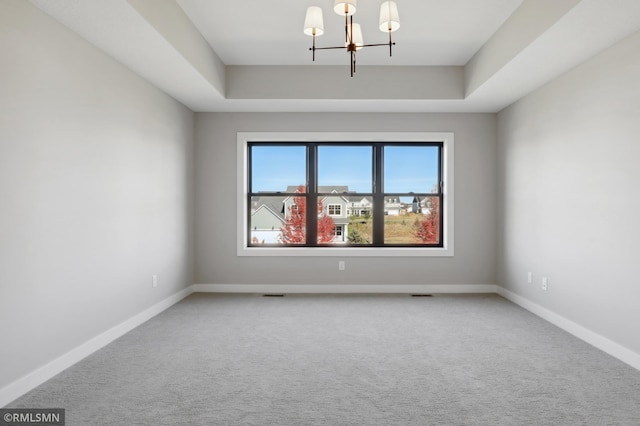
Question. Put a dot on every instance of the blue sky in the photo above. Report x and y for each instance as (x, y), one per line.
(276, 167)
(407, 168)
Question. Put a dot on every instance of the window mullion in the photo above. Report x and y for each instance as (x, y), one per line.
(312, 195)
(249, 193)
(378, 196)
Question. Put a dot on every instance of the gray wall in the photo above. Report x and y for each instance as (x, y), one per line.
(569, 186)
(96, 192)
(475, 203)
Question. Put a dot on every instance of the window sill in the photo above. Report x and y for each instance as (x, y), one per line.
(347, 251)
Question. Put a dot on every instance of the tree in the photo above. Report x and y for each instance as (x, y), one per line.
(428, 230)
(294, 229)
(355, 237)
(326, 227)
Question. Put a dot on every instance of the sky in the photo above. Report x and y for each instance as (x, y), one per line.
(406, 168)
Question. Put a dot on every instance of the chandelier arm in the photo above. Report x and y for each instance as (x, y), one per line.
(355, 55)
(345, 47)
(350, 31)
(346, 29)
(332, 47)
(353, 63)
(376, 44)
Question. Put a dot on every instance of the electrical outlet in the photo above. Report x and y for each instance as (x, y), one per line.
(545, 283)
(154, 281)
(341, 265)
(529, 277)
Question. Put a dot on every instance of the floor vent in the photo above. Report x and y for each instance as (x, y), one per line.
(273, 295)
(422, 295)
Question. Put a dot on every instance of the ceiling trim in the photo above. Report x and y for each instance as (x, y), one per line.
(541, 40)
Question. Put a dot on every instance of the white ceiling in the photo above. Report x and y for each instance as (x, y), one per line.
(432, 32)
(204, 52)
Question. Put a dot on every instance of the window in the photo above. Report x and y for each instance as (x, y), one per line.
(334, 209)
(392, 190)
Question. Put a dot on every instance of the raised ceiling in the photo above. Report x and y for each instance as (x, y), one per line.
(432, 32)
(251, 55)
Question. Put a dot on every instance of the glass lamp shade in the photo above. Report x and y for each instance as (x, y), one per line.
(389, 18)
(313, 23)
(345, 7)
(357, 38)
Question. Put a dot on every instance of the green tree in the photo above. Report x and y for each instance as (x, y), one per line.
(355, 238)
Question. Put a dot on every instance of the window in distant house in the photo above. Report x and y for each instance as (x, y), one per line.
(334, 209)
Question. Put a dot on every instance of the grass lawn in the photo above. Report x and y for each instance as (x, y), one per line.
(397, 229)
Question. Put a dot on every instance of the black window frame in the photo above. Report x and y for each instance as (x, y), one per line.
(377, 195)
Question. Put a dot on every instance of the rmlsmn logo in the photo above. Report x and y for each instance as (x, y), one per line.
(32, 416)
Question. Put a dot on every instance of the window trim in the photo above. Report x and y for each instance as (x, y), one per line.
(447, 139)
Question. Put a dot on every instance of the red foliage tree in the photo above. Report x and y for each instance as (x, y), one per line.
(428, 230)
(294, 229)
(326, 227)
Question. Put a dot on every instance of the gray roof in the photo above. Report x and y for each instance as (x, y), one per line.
(276, 203)
(325, 189)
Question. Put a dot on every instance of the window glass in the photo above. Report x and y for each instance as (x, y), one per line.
(344, 168)
(340, 207)
(278, 168)
(293, 230)
(414, 222)
(412, 169)
(360, 226)
(266, 220)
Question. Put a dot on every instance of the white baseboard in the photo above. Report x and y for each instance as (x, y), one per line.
(344, 288)
(612, 348)
(30, 381)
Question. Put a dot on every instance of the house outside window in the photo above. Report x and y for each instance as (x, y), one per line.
(385, 196)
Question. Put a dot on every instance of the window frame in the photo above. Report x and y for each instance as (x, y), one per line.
(447, 190)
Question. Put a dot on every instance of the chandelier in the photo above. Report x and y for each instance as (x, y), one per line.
(314, 26)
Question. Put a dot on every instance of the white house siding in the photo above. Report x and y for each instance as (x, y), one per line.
(392, 206)
(328, 201)
(265, 219)
(266, 236)
(359, 208)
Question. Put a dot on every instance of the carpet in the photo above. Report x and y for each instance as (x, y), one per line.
(223, 359)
